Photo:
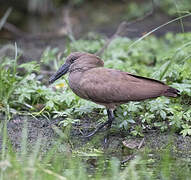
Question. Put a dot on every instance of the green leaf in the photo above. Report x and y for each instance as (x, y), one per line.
(163, 114)
(50, 104)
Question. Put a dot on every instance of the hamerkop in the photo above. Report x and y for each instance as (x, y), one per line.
(89, 79)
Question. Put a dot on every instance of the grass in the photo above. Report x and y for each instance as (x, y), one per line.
(32, 164)
(22, 93)
(168, 59)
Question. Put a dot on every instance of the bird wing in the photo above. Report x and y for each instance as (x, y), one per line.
(113, 86)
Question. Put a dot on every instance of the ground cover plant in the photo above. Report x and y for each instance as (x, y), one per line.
(25, 95)
(172, 8)
(168, 59)
(24, 90)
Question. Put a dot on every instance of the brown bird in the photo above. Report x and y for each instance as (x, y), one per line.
(89, 79)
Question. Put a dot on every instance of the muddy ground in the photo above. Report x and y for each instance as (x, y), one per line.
(119, 144)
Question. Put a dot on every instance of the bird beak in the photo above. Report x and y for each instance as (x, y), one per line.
(61, 71)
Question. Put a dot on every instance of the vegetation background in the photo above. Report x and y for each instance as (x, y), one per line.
(42, 126)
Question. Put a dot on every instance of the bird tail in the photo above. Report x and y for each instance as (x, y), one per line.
(171, 92)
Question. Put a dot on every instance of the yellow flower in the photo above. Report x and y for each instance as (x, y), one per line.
(60, 85)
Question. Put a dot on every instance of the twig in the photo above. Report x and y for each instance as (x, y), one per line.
(13, 29)
(133, 155)
(67, 22)
(63, 31)
(141, 143)
(120, 28)
(48, 171)
(21, 34)
(4, 18)
(123, 26)
(128, 159)
(143, 17)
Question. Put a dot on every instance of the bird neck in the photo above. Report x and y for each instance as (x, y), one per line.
(76, 70)
(82, 69)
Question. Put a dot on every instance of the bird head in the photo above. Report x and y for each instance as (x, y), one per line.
(76, 60)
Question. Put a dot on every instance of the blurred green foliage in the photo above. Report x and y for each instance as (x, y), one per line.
(134, 9)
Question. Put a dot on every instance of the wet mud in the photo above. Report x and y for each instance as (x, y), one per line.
(119, 144)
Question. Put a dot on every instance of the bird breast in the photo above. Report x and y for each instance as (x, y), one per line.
(74, 83)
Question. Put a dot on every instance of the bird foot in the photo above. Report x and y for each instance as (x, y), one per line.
(106, 141)
(98, 129)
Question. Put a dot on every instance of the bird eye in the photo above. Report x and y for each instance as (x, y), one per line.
(73, 59)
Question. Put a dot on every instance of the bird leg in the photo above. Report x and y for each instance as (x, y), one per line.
(110, 118)
(108, 123)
